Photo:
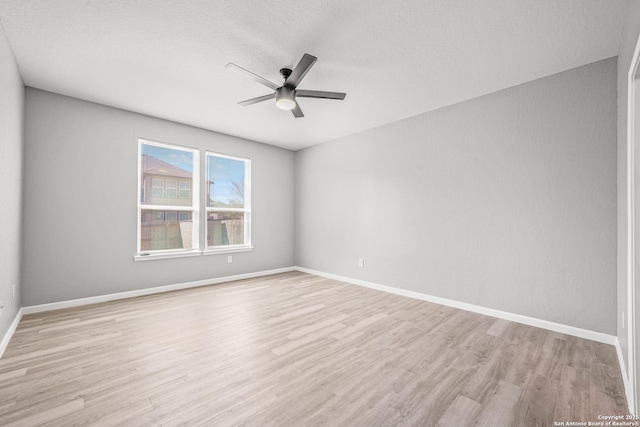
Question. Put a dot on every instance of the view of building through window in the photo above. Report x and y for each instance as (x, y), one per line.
(167, 199)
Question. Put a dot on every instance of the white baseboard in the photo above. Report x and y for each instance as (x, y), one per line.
(628, 391)
(518, 318)
(552, 326)
(557, 327)
(544, 324)
(147, 291)
(12, 328)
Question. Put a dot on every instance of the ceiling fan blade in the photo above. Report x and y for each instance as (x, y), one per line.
(297, 112)
(301, 70)
(320, 94)
(256, 100)
(251, 75)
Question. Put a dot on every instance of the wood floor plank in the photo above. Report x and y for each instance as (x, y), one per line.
(462, 412)
(501, 408)
(493, 359)
(45, 416)
(538, 402)
(575, 382)
(499, 327)
(297, 349)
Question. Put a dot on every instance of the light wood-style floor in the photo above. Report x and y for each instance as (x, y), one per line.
(297, 350)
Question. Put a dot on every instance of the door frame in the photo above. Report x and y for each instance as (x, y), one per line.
(632, 135)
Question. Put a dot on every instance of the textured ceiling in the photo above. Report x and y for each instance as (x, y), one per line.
(395, 59)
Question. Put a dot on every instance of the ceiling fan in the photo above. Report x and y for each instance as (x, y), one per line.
(286, 94)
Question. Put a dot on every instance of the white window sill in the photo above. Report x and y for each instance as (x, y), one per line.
(227, 250)
(168, 255)
(165, 255)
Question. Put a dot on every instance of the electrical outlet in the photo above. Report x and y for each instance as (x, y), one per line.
(229, 259)
(360, 262)
(14, 291)
(1, 307)
(623, 320)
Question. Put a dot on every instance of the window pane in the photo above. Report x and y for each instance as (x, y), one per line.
(172, 188)
(185, 189)
(225, 182)
(157, 187)
(163, 230)
(162, 169)
(225, 228)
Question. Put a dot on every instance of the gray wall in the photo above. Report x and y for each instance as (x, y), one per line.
(506, 201)
(11, 150)
(80, 202)
(629, 39)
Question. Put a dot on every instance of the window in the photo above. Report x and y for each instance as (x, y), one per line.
(170, 205)
(172, 188)
(157, 187)
(185, 189)
(167, 208)
(228, 203)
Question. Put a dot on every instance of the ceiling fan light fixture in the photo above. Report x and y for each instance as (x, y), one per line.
(285, 98)
(286, 104)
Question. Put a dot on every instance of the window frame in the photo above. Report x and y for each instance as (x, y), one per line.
(194, 208)
(246, 246)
